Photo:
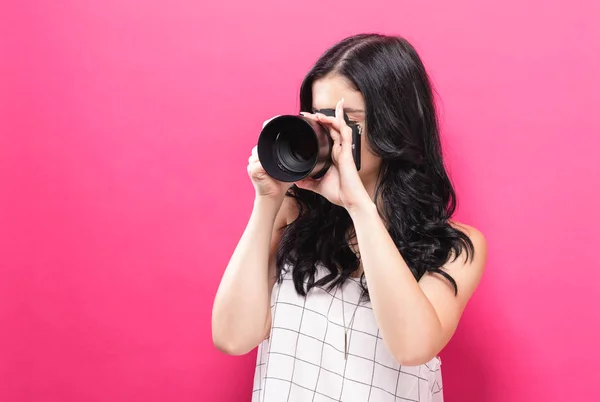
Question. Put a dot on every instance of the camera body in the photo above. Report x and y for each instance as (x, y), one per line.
(291, 148)
(356, 135)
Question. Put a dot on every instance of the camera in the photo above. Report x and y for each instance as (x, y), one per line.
(291, 148)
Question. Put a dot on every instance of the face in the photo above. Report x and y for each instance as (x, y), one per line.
(326, 93)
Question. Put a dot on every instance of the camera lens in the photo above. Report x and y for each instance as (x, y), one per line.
(291, 148)
(296, 152)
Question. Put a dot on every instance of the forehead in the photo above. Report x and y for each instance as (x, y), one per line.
(328, 91)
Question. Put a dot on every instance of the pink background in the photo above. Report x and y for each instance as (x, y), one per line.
(125, 128)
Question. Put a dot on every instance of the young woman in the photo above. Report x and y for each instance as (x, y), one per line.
(352, 284)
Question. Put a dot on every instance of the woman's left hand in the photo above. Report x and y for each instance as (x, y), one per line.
(341, 185)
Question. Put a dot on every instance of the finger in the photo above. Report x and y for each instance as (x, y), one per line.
(346, 135)
(336, 137)
(339, 111)
(329, 122)
(310, 116)
(342, 127)
(256, 170)
(334, 122)
(253, 156)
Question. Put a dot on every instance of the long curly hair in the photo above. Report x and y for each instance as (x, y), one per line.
(414, 193)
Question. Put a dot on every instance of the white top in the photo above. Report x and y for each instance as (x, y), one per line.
(303, 358)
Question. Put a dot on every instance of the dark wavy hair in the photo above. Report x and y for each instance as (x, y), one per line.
(414, 193)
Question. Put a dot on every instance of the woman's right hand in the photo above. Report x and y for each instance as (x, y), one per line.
(264, 185)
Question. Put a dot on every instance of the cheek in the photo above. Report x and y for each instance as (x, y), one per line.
(365, 149)
(368, 159)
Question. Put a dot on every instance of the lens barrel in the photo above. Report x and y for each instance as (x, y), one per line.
(291, 148)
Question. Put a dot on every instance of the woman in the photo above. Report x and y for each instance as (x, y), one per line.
(352, 284)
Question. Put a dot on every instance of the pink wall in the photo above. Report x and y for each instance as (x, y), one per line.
(124, 132)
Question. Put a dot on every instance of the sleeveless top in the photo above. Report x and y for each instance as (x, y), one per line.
(303, 358)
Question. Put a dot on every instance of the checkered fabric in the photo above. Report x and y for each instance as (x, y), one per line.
(303, 358)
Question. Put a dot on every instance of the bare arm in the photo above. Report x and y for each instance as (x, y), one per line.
(416, 319)
(241, 316)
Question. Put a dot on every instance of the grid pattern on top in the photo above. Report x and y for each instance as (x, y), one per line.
(303, 358)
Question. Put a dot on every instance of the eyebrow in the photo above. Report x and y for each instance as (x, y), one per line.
(352, 110)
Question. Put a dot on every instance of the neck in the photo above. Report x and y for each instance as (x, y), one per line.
(370, 183)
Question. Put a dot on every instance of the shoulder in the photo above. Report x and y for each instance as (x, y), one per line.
(476, 237)
(473, 267)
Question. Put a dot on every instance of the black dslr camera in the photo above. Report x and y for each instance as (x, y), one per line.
(291, 148)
